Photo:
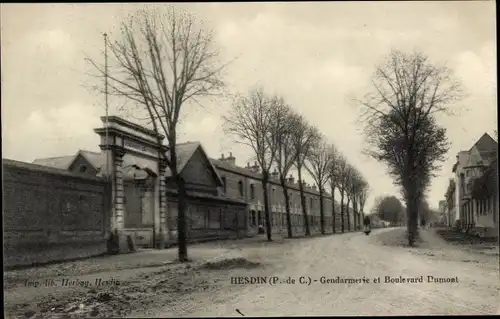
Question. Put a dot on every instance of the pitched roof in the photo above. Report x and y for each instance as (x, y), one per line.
(486, 146)
(46, 169)
(235, 169)
(64, 162)
(60, 162)
(184, 152)
(94, 158)
(250, 173)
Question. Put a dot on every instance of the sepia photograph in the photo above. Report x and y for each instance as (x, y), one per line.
(260, 159)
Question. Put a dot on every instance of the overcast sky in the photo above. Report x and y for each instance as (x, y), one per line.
(317, 55)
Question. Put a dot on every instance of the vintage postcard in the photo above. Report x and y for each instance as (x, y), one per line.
(250, 159)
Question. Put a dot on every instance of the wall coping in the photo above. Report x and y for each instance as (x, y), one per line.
(50, 170)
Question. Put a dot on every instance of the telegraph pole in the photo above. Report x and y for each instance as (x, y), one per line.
(106, 96)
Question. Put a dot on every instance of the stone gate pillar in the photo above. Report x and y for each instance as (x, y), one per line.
(118, 191)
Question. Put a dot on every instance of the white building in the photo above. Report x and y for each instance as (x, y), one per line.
(476, 210)
(459, 176)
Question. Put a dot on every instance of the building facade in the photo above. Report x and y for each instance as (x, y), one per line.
(459, 176)
(450, 199)
(443, 212)
(475, 191)
(223, 199)
(245, 183)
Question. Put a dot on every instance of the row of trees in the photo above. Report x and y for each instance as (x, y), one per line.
(161, 60)
(401, 126)
(283, 139)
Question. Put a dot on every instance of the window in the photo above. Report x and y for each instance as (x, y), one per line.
(252, 191)
(83, 168)
(214, 217)
(198, 217)
(240, 188)
(224, 184)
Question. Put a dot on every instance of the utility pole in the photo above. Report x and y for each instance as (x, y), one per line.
(106, 97)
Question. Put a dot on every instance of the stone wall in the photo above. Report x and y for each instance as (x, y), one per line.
(52, 215)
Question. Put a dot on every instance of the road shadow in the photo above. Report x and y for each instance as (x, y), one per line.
(398, 237)
(457, 237)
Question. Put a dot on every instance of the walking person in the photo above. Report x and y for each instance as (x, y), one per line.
(367, 226)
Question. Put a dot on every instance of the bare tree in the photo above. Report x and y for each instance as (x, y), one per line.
(253, 120)
(164, 60)
(285, 156)
(362, 196)
(318, 165)
(400, 124)
(334, 180)
(356, 185)
(304, 138)
(350, 176)
(343, 185)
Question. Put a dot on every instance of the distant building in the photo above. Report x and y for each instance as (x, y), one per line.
(443, 218)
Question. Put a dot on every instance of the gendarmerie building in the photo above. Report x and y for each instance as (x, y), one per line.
(223, 199)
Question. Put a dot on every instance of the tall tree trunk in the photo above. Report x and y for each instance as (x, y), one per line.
(348, 213)
(181, 199)
(412, 201)
(342, 211)
(356, 217)
(303, 202)
(287, 207)
(361, 216)
(321, 211)
(265, 179)
(181, 220)
(334, 222)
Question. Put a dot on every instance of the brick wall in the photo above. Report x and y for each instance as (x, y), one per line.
(51, 215)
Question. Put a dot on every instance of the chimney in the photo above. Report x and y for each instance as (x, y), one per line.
(255, 167)
(231, 159)
(275, 174)
(222, 157)
(248, 165)
(314, 187)
(291, 180)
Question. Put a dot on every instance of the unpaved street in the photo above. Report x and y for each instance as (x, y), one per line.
(357, 256)
(206, 287)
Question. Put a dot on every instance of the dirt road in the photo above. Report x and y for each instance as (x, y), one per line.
(471, 282)
(343, 274)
